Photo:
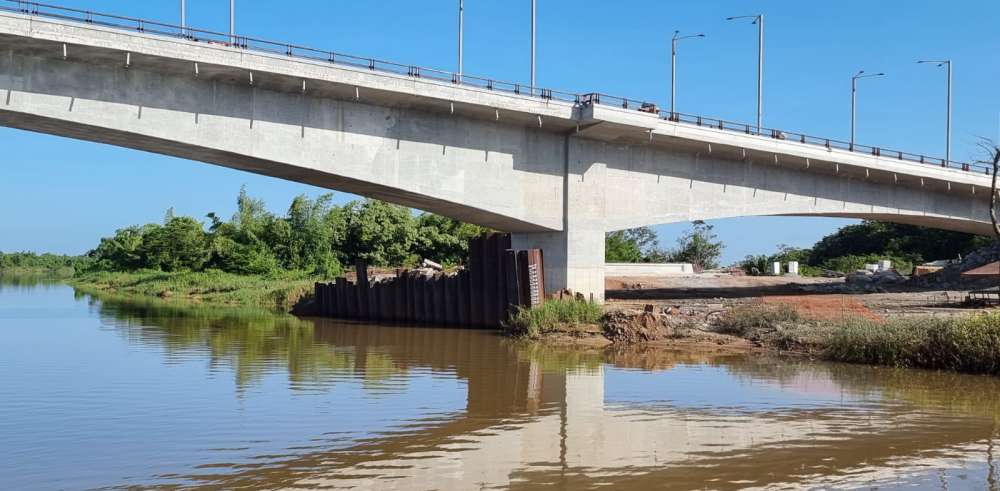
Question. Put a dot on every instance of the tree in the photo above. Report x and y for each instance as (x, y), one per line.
(993, 150)
(314, 237)
(310, 247)
(179, 245)
(445, 240)
(619, 249)
(910, 242)
(379, 233)
(699, 246)
(634, 245)
(119, 252)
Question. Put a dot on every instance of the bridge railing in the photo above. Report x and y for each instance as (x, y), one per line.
(828, 143)
(275, 47)
(374, 64)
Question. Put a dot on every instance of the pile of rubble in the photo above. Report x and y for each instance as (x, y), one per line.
(630, 327)
(950, 277)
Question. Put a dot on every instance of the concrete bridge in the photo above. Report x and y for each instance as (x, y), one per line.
(558, 170)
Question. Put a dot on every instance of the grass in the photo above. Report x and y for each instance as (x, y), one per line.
(553, 315)
(57, 273)
(277, 292)
(962, 344)
(751, 319)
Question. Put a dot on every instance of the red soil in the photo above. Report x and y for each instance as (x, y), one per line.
(825, 307)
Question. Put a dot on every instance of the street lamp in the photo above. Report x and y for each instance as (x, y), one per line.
(854, 94)
(461, 34)
(232, 21)
(759, 20)
(673, 65)
(947, 138)
(183, 19)
(532, 46)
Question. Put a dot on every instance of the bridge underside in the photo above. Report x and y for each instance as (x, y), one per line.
(557, 182)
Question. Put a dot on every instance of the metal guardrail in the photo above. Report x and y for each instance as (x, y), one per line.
(374, 64)
(750, 129)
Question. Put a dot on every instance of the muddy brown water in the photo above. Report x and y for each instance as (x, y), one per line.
(104, 394)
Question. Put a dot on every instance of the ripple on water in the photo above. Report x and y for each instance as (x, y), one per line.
(103, 394)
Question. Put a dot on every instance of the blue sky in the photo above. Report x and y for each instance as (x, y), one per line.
(61, 195)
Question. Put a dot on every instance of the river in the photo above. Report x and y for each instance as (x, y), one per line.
(105, 394)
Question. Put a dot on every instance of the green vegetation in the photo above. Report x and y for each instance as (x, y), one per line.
(313, 238)
(749, 320)
(635, 245)
(554, 315)
(963, 344)
(264, 260)
(47, 265)
(280, 291)
(699, 246)
(851, 247)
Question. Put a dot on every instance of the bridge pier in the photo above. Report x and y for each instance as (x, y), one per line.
(574, 257)
(573, 260)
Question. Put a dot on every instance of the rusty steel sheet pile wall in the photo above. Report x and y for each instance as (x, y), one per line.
(496, 281)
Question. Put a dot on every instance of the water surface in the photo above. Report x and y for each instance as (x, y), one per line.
(102, 394)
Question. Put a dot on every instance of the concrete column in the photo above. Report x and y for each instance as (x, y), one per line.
(574, 258)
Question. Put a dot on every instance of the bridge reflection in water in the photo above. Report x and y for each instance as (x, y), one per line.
(586, 418)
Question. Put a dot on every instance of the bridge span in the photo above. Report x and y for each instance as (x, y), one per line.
(556, 169)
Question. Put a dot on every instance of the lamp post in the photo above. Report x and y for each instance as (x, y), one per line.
(461, 34)
(854, 95)
(232, 21)
(533, 46)
(673, 65)
(183, 19)
(947, 138)
(759, 21)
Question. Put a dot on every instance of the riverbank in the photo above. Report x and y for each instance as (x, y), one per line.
(271, 292)
(961, 343)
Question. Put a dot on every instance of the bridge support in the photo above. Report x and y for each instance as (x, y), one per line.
(573, 260)
(574, 257)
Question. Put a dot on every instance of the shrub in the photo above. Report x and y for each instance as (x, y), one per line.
(863, 341)
(748, 320)
(966, 344)
(758, 265)
(552, 315)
